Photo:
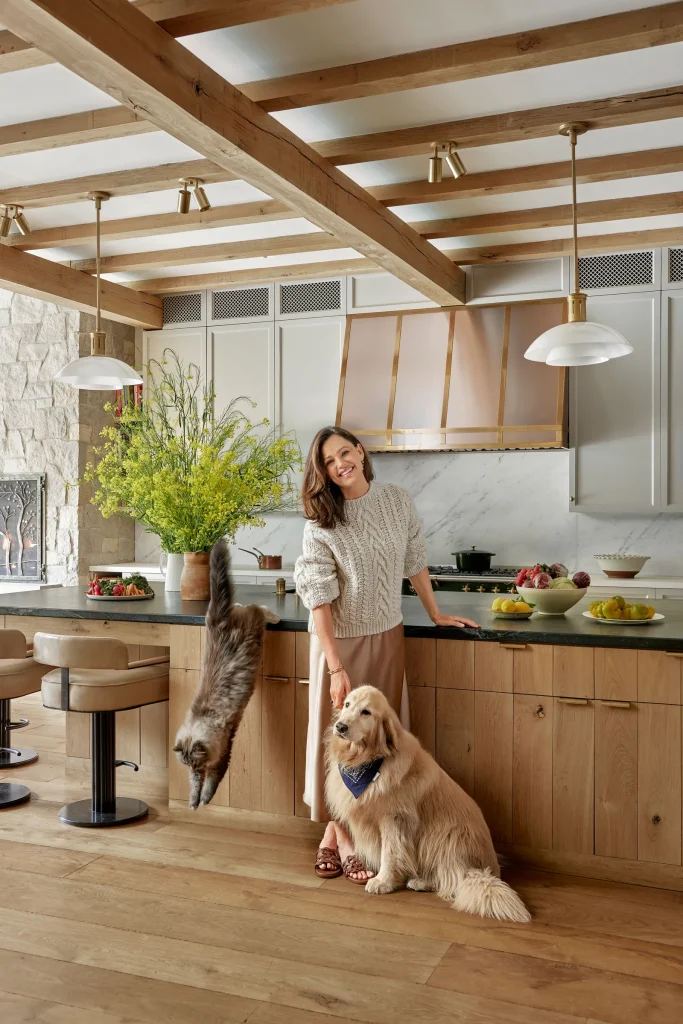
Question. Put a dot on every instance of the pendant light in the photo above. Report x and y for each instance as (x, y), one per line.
(579, 342)
(98, 372)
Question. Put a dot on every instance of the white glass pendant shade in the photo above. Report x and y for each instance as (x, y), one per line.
(581, 343)
(98, 373)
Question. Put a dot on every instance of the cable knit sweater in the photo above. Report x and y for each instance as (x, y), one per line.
(357, 567)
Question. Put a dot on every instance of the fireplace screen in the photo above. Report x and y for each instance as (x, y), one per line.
(21, 527)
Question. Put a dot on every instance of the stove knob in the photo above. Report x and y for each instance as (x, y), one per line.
(467, 587)
(512, 590)
(496, 589)
(481, 589)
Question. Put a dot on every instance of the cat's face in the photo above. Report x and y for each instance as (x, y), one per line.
(206, 752)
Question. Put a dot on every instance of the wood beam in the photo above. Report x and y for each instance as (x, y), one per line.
(33, 275)
(155, 224)
(512, 126)
(259, 275)
(116, 183)
(620, 242)
(552, 216)
(112, 45)
(315, 241)
(523, 179)
(177, 17)
(71, 129)
(477, 58)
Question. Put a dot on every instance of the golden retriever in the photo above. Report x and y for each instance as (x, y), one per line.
(413, 825)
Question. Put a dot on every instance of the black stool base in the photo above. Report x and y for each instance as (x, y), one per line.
(82, 815)
(12, 794)
(17, 756)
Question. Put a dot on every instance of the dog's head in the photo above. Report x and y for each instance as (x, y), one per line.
(365, 728)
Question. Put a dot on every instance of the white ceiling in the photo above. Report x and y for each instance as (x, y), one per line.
(350, 32)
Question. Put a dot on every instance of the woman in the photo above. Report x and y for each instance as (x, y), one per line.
(360, 540)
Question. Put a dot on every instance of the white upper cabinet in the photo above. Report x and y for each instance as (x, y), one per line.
(672, 400)
(240, 359)
(615, 419)
(188, 343)
(308, 364)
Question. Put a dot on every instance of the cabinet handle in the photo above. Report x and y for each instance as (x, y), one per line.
(616, 703)
(304, 682)
(277, 679)
(514, 647)
(674, 654)
(572, 700)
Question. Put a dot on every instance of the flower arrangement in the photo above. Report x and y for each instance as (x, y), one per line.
(189, 475)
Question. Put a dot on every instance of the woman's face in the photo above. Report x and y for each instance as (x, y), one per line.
(343, 462)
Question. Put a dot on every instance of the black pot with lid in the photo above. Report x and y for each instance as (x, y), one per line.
(472, 560)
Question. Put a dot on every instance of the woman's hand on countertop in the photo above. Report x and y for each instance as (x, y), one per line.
(454, 620)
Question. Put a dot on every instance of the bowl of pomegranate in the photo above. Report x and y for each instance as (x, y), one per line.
(551, 588)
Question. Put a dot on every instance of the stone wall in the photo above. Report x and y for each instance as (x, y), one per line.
(50, 428)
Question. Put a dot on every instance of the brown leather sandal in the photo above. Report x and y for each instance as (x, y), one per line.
(326, 855)
(353, 865)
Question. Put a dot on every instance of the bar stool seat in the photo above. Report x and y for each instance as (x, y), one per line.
(19, 676)
(93, 676)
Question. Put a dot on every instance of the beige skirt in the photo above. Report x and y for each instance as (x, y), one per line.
(376, 660)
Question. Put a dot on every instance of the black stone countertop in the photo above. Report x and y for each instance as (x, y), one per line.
(571, 629)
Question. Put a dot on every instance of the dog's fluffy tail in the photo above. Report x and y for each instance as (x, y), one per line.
(480, 892)
(221, 585)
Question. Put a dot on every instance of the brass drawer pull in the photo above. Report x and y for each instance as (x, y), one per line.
(616, 703)
(572, 700)
(304, 682)
(514, 647)
(674, 654)
(278, 679)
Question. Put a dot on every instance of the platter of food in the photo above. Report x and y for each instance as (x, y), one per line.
(131, 588)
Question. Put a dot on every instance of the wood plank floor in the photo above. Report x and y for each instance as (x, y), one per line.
(180, 920)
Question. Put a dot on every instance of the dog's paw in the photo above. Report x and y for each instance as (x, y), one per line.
(377, 886)
(419, 885)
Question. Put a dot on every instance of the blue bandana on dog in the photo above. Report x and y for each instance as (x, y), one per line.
(359, 778)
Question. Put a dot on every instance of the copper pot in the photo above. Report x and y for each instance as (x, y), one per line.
(264, 561)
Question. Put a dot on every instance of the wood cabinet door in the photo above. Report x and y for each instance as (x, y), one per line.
(455, 735)
(422, 703)
(659, 783)
(616, 779)
(532, 772)
(493, 718)
(245, 771)
(277, 745)
(300, 735)
(659, 677)
(573, 775)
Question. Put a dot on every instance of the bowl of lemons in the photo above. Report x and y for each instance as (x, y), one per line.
(618, 610)
(506, 608)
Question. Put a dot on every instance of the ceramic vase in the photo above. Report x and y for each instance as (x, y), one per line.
(194, 581)
(172, 571)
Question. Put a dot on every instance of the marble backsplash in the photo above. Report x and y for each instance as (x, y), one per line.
(514, 503)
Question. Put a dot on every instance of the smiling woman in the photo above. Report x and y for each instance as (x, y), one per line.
(360, 540)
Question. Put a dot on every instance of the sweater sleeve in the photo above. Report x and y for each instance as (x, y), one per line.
(416, 550)
(315, 573)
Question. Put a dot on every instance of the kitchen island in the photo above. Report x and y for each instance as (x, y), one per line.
(566, 731)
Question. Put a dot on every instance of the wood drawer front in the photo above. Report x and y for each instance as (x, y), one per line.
(279, 654)
(420, 655)
(659, 677)
(616, 674)
(533, 669)
(493, 667)
(573, 672)
(455, 664)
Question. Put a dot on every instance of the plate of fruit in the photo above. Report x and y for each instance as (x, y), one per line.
(131, 588)
(507, 608)
(617, 610)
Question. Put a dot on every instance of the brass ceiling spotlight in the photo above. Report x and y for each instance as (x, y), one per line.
(454, 162)
(13, 213)
(5, 222)
(199, 194)
(435, 172)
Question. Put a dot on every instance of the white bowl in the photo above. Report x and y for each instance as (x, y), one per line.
(551, 602)
(623, 567)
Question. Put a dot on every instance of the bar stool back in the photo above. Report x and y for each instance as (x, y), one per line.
(93, 676)
(19, 676)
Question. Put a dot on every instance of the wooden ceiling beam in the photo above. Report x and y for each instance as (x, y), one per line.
(155, 224)
(71, 129)
(512, 126)
(259, 275)
(315, 241)
(477, 58)
(553, 216)
(116, 183)
(32, 275)
(515, 252)
(177, 17)
(524, 179)
(112, 45)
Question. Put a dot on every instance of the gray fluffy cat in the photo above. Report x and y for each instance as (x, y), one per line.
(232, 657)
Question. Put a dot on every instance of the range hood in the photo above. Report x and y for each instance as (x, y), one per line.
(452, 380)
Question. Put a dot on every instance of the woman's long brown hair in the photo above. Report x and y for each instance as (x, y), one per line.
(322, 499)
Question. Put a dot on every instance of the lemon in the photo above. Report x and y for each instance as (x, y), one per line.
(522, 606)
(650, 611)
(498, 604)
(619, 601)
(508, 606)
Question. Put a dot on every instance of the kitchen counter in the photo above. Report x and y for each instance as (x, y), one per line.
(571, 629)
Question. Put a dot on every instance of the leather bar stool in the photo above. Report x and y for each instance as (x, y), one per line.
(19, 676)
(93, 677)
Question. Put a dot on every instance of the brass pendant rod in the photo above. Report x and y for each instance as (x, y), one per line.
(572, 141)
(98, 207)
